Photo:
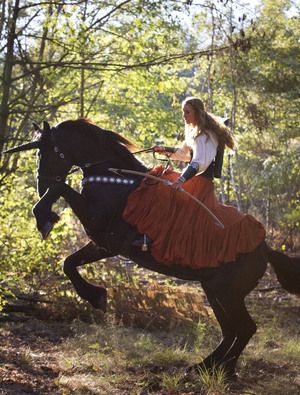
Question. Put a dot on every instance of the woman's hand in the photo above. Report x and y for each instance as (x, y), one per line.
(159, 149)
(177, 184)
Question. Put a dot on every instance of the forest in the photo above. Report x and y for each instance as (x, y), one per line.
(127, 65)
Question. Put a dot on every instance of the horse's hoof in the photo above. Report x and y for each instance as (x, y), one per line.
(99, 302)
(196, 368)
(231, 376)
(191, 370)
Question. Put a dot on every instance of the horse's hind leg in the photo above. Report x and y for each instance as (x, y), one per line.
(244, 327)
(96, 296)
(237, 329)
(226, 290)
(228, 333)
(217, 358)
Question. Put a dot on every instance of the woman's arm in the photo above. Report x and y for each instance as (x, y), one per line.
(204, 152)
(182, 153)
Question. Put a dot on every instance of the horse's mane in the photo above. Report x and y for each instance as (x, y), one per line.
(102, 137)
(87, 126)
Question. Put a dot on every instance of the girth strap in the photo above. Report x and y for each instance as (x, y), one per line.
(108, 180)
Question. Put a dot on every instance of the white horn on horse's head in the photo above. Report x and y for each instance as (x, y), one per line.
(23, 147)
(33, 144)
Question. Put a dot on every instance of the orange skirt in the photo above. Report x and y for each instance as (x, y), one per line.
(182, 231)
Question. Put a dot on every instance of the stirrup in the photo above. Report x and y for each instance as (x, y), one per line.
(144, 242)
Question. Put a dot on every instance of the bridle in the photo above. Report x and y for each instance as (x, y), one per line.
(86, 165)
(65, 158)
(47, 141)
(46, 144)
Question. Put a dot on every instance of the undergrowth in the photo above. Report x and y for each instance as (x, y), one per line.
(117, 359)
(147, 347)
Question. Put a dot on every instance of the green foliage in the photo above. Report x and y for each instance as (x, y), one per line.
(264, 80)
(26, 262)
(122, 66)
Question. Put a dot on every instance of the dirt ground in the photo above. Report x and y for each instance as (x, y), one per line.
(31, 348)
(28, 360)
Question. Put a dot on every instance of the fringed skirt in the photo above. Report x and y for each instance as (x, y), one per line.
(183, 232)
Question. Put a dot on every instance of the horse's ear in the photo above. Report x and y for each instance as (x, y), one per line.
(46, 127)
(226, 122)
(36, 127)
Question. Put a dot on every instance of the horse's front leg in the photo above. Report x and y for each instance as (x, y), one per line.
(96, 296)
(46, 218)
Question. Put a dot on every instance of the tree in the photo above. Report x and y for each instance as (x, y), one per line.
(269, 88)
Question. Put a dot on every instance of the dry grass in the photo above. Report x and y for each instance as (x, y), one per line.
(132, 352)
(120, 359)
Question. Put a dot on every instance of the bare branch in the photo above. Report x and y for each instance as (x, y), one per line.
(57, 3)
(100, 66)
(105, 17)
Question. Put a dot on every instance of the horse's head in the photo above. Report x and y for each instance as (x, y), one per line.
(78, 142)
(94, 149)
(53, 166)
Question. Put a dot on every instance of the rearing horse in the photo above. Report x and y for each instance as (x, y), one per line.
(99, 207)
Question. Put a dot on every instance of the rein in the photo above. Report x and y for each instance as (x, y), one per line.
(168, 160)
(151, 150)
(62, 156)
(143, 150)
(86, 165)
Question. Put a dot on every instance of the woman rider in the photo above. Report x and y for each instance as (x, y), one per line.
(205, 135)
(181, 231)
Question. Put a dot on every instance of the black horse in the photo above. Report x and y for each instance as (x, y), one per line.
(99, 207)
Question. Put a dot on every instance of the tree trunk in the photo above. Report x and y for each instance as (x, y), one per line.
(210, 63)
(2, 17)
(231, 170)
(7, 74)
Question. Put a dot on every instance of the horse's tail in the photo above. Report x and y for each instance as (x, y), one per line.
(287, 270)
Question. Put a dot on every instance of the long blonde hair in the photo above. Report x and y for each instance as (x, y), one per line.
(207, 121)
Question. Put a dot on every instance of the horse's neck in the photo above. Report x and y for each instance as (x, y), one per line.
(95, 158)
(137, 165)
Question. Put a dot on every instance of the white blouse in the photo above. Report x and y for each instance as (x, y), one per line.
(204, 148)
